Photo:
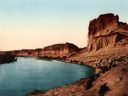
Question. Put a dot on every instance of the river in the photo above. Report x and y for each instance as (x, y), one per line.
(28, 74)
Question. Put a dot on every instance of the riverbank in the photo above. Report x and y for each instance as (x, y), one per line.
(74, 89)
(6, 57)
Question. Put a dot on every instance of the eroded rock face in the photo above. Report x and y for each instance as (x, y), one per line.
(103, 22)
(59, 50)
(106, 31)
(26, 53)
(53, 51)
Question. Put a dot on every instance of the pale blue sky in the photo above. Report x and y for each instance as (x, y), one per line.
(38, 23)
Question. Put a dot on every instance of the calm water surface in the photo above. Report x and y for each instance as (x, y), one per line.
(28, 74)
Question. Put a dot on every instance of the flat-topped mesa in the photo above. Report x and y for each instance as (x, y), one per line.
(68, 46)
(106, 30)
(59, 50)
(53, 51)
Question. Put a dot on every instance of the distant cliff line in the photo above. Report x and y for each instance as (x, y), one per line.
(62, 51)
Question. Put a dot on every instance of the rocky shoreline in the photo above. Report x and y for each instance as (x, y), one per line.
(7, 57)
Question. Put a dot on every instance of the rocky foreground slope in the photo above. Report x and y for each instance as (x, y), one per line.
(107, 51)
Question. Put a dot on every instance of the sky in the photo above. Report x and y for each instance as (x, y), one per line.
(30, 24)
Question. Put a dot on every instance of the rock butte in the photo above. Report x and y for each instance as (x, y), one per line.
(107, 51)
(106, 37)
(107, 32)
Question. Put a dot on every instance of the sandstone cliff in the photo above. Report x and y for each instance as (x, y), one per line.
(107, 31)
(107, 36)
(59, 50)
(54, 51)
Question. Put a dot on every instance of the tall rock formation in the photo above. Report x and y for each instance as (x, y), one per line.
(107, 31)
(107, 36)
